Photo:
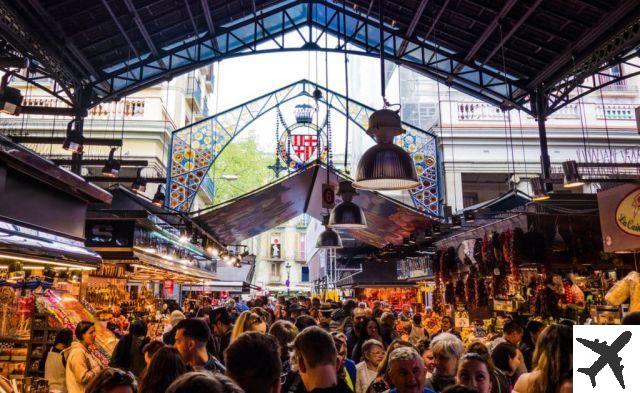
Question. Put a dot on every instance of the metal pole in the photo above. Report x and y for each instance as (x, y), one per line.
(76, 158)
(545, 161)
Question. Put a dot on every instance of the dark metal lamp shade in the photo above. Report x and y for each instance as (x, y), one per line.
(329, 239)
(572, 178)
(539, 192)
(386, 166)
(159, 197)
(347, 215)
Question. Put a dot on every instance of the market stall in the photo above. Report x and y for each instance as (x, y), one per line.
(42, 258)
(545, 262)
(378, 281)
(148, 255)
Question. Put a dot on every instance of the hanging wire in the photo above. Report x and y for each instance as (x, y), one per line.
(439, 99)
(453, 155)
(524, 154)
(326, 79)
(612, 157)
(381, 39)
(346, 86)
(55, 117)
(507, 114)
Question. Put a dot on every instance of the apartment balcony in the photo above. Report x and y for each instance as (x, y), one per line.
(615, 112)
(131, 107)
(478, 111)
(193, 92)
(209, 78)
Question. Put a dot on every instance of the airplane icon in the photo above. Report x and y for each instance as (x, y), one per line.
(608, 356)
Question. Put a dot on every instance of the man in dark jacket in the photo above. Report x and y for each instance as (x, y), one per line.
(221, 327)
(128, 354)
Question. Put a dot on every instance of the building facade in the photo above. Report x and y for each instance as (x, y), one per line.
(485, 151)
(281, 258)
(144, 121)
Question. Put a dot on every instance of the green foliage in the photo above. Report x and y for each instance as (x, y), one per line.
(241, 158)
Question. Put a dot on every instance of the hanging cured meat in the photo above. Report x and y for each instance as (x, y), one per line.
(450, 294)
(470, 292)
(482, 293)
(460, 292)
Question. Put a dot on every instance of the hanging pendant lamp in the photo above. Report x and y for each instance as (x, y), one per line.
(572, 178)
(111, 168)
(347, 214)
(539, 192)
(386, 166)
(159, 197)
(328, 238)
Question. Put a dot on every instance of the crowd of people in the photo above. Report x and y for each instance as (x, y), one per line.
(297, 347)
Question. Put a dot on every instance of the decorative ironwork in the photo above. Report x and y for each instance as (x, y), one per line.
(195, 147)
(360, 36)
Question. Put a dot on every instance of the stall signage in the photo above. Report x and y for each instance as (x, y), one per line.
(620, 217)
(628, 213)
(328, 196)
(167, 287)
(114, 233)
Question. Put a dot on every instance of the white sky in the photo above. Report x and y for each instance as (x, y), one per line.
(244, 78)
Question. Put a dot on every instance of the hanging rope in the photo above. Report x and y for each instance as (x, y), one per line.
(524, 153)
(327, 121)
(382, 72)
(507, 114)
(612, 157)
(346, 86)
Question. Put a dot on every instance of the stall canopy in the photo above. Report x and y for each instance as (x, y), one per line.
(389, 221)
(115, 231)
(510, 200)
(42, 210)
(374, 274)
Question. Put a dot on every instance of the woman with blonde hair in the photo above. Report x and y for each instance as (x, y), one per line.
(381, 383)
(248, 322)
(553, 363)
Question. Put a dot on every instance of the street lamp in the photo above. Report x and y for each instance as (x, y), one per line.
(288, 283)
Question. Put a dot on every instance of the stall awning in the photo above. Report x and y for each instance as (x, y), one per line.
(179, 273)
(389, 221)
(375, 274)
(510, 200)
(223, 286)
(40, 248)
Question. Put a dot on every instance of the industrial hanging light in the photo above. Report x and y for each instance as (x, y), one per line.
(539, 192)
(572, 178)
(10, 97)
(456, 221)
(74, 140)
(139, 184)
(428, 233)
(386, 166)
(159, 197)
(469, 217)
(112, 166)
(328, 238)
(347, 214)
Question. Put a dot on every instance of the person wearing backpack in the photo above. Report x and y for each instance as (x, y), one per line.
(128, 353)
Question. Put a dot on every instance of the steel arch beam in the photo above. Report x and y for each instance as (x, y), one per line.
(361, 32)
